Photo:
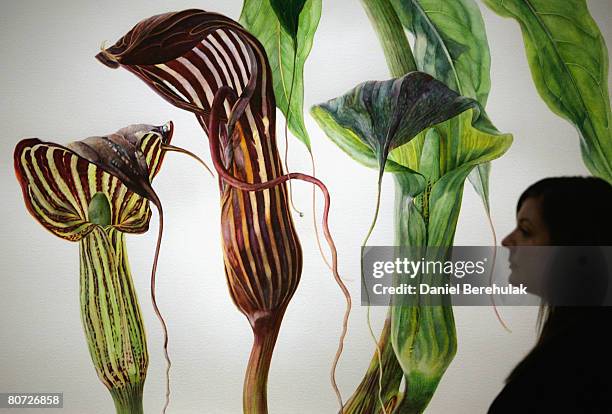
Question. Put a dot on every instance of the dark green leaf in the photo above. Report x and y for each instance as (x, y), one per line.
(288, 13)
(387, 114)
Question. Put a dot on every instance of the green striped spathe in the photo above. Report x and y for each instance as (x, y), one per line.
(111, 317)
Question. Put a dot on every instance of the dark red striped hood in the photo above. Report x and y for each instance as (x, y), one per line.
(58, 182)
(188, 57)
(160, 38)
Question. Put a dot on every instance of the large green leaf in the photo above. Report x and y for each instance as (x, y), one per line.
(287, 50)
(350, 143)
(568, 59)
(384, 115)
(451, 45)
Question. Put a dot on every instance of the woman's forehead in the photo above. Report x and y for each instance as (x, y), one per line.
(530, 210)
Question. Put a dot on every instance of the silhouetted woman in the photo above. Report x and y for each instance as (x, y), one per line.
(569, 370)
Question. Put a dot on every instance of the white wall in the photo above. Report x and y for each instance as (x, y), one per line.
(53, 88)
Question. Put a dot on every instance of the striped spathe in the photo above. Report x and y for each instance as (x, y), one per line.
(186, 57)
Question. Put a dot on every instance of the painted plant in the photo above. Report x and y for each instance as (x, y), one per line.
(418, 342)
(286, 30)
(406, 126)
(93, 192)
(209, 65)
(568, 59)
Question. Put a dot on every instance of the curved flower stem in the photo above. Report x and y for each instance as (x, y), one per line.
(368, 319)
(265, 332)
(160, 232)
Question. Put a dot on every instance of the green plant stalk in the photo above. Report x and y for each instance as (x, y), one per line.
(419, 388)
(128, 400)
(111, 317)
(365, 397)
(430, 330)
(400, 61)
(420, 384)
(391, 36)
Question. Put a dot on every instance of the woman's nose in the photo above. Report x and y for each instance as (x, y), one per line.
(508, 240)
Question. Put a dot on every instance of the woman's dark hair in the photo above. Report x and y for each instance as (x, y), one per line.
(577, 211)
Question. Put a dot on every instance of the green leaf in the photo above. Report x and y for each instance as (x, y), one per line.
(288, 14)
(451, 45)
(350, 143)
(568, 59)
(384, 115)
(286, 56)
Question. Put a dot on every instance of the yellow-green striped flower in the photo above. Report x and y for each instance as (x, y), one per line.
(94, 191)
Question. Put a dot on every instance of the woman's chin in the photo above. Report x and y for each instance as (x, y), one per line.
(516, 278)
(513, 279)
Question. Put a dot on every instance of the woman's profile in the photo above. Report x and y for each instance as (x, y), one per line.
(569, 370)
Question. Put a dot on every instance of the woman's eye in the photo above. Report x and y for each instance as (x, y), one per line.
(524, 232)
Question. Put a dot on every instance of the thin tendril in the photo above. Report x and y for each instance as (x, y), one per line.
(172, 148)
(154, 301)
(314, 216)
(499, 318)
(368, 319)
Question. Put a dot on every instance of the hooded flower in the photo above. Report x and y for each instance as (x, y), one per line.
(187, 57)
(93, 191)
(190, 58)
